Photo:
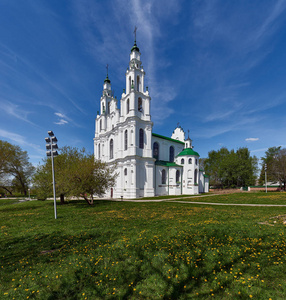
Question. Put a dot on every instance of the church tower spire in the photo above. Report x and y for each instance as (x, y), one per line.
(107, 82)
(135, 101)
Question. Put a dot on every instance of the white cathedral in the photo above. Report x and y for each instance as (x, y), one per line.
(147, 164)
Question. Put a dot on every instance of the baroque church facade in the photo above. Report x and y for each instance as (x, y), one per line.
(147, 164)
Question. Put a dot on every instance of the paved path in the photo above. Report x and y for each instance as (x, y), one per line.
(233, 204)
(178, 200)
(157, 200)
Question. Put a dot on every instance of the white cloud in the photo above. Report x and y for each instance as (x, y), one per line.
(61, 122)
(251, 139)
(112, 48)
(62, 119)
(18, 139)
(60, 115)
(15, 111)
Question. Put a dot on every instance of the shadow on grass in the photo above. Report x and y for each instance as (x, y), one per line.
(83, 203)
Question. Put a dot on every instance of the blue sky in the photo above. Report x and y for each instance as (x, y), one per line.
(216, 67)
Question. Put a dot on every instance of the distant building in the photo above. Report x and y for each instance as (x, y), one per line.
(148, 164)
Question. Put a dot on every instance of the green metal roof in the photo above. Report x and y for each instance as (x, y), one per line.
(188, 151)
(166, 163)
(107, 79)
(135, 48)
(167, 138)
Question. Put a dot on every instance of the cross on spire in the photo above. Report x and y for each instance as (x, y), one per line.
(135, 33)
(107, 79)
(178, 124)
(188, 133)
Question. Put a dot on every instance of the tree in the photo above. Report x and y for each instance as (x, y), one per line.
(15, 168)
(269, 161)
(42, 181)
(280, 168)
(229, 169)
(5, 153)
(76, 174)
(275, 160)
(246, 167)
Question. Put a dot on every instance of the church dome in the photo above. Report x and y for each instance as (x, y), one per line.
(107, 79)
(135, 48)
(188, 151)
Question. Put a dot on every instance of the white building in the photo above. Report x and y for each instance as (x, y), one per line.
(148, 164)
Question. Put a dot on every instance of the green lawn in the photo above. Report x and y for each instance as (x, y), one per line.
(241, 198)
(124, 250)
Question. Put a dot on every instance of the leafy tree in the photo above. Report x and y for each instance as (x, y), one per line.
(231, 169)
(5, 153)
(246, 169)
(42, 181)
(275, 159)
(15, 168)
(280, 167)
(269, 161)
(76, 174)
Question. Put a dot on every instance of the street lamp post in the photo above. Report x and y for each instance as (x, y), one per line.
(52, 147)
(265, 178)
(29, 194)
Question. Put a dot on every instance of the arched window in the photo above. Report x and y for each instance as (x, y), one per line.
(109, 104)
(100, 125)
(182, 161)
(141, 138)
(129, 83)
(190, 161)
(127, 106)
(125, 140)
(140, 104)
(138, 83)
(171, 154)
(111, 149)
(125, 171)
(163, 176)
(156, 150)
(196, 176)
(177, 176)
(98, 150)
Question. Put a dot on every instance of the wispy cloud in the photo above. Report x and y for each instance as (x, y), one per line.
(22, 69)
(230, 42)
(259, 150)
(251, 139)
(61, 122)
(62, 119)
(15, 111)
(111, 48)
(60, 115)
(221, 128)
(19, 139)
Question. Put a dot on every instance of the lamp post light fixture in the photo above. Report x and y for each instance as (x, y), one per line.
(51, 147)
(265, 178)
(29, 194)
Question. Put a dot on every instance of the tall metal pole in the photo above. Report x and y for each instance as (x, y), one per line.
(265, 178)
(54, 185)
(50, 147)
